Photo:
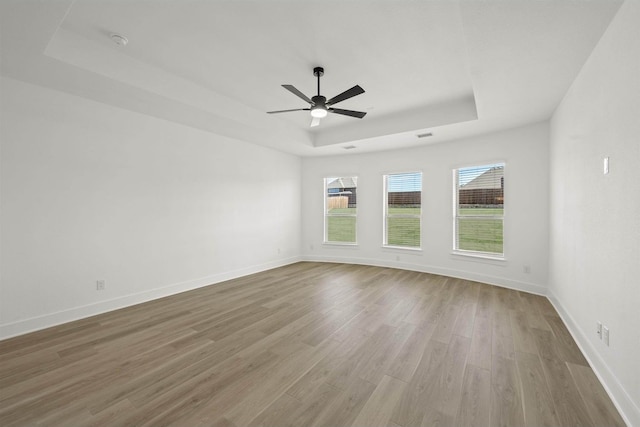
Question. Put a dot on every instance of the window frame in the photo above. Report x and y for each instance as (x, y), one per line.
(327, 215)
(386, 215)
(457, 216)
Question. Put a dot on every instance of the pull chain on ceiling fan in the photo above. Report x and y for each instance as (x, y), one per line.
(319, 106)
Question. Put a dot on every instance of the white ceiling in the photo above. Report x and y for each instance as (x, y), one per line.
(451, 68)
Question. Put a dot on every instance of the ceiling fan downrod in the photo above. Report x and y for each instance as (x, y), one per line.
(319, 108)
(318, 72)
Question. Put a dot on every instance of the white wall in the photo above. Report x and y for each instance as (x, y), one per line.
(92, 192)
(525, 151)
(595, 218)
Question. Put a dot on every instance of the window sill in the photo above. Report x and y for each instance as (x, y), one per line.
(340, 244)
(479, 257)
(401, 248)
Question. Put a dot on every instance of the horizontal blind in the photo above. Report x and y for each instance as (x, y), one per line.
(340, 209)
(479, 215)
(403, 208)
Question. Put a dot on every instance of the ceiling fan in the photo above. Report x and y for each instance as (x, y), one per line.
(319, 106)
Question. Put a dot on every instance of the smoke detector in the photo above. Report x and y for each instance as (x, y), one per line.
(120, 40)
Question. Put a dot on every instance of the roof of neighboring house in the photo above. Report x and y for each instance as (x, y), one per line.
(492, 178)
(347, 182)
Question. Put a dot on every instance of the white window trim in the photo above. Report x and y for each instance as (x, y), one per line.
(477, 254)
(402, 248)
(340, 244)
(490, 256)
(326, 215)
(385, 214)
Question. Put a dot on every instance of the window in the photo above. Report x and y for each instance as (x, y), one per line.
(340, 209)
(402, 209)
(479, 209)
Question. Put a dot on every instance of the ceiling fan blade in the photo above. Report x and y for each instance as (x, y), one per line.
(286, 111)
(315, 122)
(349, 93)
(297, 93)
(358, 114)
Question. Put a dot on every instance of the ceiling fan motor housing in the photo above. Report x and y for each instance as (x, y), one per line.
(319, 100)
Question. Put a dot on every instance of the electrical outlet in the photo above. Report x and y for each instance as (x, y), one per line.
(526, 269)
(599, 329)
(605, 166)
(101, 285)
(605, 335)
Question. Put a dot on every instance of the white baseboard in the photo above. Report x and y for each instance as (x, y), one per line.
(628, 409)
(460, 274)
(24, 326)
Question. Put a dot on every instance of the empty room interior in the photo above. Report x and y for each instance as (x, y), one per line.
(319, 213)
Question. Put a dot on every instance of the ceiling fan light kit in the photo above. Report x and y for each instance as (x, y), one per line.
(319, 106)
(319, 111)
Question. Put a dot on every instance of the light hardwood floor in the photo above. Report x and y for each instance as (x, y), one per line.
(310, 344)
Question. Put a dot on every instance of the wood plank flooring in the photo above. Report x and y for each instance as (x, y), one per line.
(310, 344)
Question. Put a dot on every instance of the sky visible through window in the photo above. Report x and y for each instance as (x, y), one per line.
(413, 181)
(472, 173)
(404, 182)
